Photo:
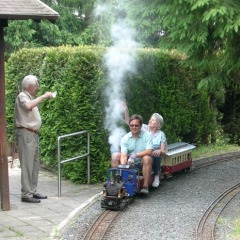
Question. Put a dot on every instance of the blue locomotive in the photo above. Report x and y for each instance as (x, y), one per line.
(123, 183)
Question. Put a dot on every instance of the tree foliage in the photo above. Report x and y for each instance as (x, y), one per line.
(207, 31)
(66, 30)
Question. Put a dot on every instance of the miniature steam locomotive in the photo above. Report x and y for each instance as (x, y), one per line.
(121, 186)
(123, 183)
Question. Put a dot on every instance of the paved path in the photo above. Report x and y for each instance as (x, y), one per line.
(28, 221)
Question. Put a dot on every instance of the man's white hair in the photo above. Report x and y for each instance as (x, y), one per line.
(29, 80)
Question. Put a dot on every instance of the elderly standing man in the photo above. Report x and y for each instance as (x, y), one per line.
(136, 147)
(28, 123)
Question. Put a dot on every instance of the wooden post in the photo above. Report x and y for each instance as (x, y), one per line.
(4, 180)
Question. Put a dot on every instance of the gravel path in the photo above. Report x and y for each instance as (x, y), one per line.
(170, 212)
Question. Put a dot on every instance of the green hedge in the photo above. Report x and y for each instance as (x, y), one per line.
(161, 84)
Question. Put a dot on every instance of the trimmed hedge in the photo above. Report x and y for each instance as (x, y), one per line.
(161, 84)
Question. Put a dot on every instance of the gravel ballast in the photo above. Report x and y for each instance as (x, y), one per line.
(171, 211)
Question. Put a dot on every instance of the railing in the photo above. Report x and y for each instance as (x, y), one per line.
(87, 154)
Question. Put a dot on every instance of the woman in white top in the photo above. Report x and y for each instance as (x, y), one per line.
(159, 144)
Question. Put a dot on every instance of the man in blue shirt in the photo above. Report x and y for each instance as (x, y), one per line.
(136, 147)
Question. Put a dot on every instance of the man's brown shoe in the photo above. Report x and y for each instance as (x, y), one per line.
(31, 200)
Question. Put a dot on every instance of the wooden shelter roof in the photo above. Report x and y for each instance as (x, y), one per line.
(26, 9)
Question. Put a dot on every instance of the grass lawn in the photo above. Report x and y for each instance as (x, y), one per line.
(213, 150)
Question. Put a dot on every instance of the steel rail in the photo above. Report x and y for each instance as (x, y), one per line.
(101, 225)
(196, 166)
(206, 225)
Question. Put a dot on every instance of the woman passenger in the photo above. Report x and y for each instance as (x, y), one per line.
(159, 144)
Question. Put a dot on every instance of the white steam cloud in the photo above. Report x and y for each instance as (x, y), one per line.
(120, 60)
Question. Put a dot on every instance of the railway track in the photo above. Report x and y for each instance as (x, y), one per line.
(206, 226)
(216, 160)
(101, 225)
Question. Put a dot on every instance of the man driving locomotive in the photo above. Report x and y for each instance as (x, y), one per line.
(136, 148)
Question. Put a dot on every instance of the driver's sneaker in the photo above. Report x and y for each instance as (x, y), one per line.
(144, 190)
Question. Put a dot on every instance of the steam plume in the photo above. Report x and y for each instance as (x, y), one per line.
(120, 60)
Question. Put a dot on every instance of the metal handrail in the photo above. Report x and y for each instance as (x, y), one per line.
(74, 158)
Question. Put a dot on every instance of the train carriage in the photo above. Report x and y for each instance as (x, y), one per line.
(178, 157)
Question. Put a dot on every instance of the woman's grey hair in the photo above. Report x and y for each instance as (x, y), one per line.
(159, 120)
(28, 81)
